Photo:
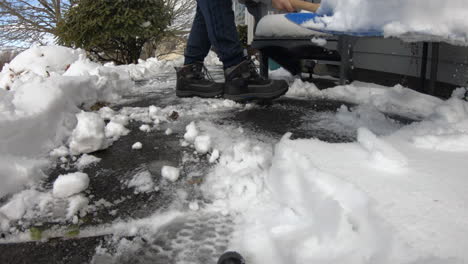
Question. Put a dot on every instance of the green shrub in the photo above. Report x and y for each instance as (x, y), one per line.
(114, 30)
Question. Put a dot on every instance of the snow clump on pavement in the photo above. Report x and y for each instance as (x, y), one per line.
(70, 184)
(170, 173)
(137, 145)
(85, 161)
(89, 134)
(142, 182)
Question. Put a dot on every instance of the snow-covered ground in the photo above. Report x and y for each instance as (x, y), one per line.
(396, 194)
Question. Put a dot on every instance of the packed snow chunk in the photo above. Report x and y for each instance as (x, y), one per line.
(142, 182)
(86, 160)
(115, 130)
(214, 156)
(194, 206)
(203, 144)
(61, 151)
(170, 173)
(76, 204)
(382, 155)
(145, 128)
(120, 119)
(106, 113)
(137, 145)
(89, 134)
(153, 110)
(168, 132)
(303, 89)
(319, 41)
(70, 184)
(192, 132)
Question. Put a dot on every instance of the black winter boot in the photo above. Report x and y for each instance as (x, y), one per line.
(194, 80)
(244, 83)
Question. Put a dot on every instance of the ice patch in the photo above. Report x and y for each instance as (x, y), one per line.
(70, 184)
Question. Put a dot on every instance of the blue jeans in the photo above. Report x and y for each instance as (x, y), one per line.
(214, 25)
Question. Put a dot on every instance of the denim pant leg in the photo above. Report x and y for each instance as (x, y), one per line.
(198, 44)
(221, 28)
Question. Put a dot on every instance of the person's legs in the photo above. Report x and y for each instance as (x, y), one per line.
(198, 44)
(222, 32)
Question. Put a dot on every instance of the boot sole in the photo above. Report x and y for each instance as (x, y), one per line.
(198, 94)
(256, 96)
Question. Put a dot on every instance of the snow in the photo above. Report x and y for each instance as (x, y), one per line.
(440, 21)
(142, 182)
(42, 92)
(115, 130)
(395, 194)
(214, 156)
(89, 135)
(76, 203)
(319, 41)
(70, 184)
(170, 173)
(145, 128)
(61, 151)
(85, 161)
(137, 145)
(280, 26)
(191, 132)
(203, 144)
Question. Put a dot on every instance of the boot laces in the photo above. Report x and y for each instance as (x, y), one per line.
(201, 72)
(254, 74)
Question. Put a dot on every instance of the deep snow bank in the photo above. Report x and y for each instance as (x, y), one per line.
(444, 20)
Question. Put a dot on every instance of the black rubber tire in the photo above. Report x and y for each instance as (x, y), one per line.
(231, 257)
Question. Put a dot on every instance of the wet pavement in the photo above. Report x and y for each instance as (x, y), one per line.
(304, 118)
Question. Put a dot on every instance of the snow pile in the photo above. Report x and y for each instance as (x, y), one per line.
(70, 184)
(438, 20)
(446, 129)
(41, 92)
(396, 100)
